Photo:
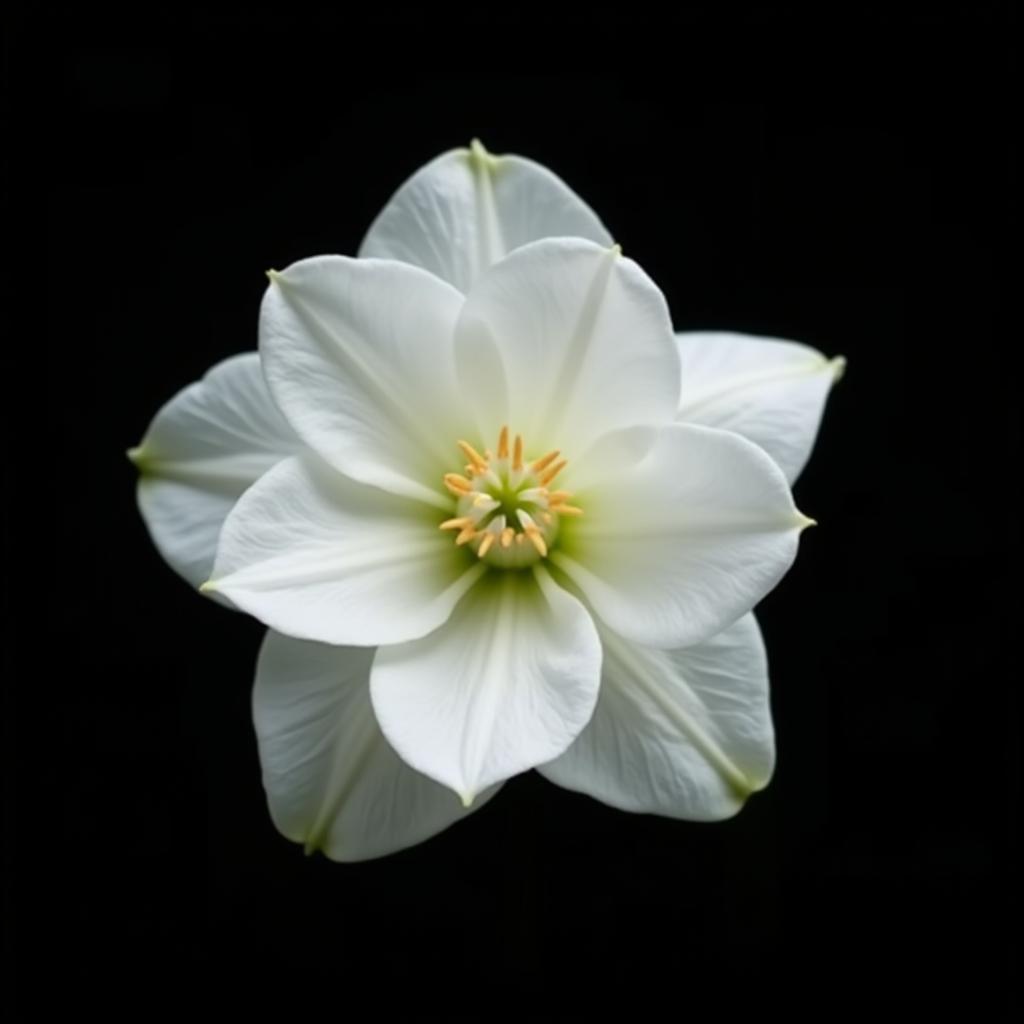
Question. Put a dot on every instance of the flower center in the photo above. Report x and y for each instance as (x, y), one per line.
(506, 509)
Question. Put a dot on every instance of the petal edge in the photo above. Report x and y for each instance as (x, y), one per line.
(505, 685)
(332, 781)
(771, 391)
(685, 734)
(466, 209)
(201, 451)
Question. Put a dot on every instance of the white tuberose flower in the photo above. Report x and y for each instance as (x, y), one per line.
(494, 519)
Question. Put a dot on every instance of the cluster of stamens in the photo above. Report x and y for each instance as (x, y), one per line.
(506, 509)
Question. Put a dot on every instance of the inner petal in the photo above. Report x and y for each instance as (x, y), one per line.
(508, 505)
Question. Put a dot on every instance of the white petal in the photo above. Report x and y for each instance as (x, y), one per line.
(317, 556)
(468, 209)
(203, 448)
(603, 461)
(684, 541)
(332, 781)
(566, 342)
(771, 391)
(358, 356)
(507, 683)
(684, 733)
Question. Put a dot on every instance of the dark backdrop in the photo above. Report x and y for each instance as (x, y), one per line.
(840, 182)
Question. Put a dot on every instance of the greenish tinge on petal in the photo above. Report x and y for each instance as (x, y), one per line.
(486, 169)
(333, 783)
(467, 209)
(684, 733)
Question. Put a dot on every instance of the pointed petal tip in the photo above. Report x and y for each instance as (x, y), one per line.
(208, 587)
(467, 798)
(479, 155)
(803, 522)
(136, 457)
(615, 249)
(743, 787)
(742, 791)
(274, 276)
(838, 368)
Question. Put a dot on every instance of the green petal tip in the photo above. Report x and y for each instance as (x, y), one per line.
(137, 457)
(478, 155)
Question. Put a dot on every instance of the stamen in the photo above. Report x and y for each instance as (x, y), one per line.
(554, 471)
(457, 484)
(544, 461)
(505, 505)
(457, 524)
(473, 455)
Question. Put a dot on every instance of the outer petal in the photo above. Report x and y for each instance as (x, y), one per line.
(358, 356)
(468, 209)
(684, 541)
(770, 391)
(566, 342)
(203, 448)
(685, 733)
(318, 556)
(507, 683)
(332, 781)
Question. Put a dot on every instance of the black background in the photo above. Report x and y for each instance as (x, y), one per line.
(843, 182)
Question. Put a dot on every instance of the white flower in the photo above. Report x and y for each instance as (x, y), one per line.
(496, 515)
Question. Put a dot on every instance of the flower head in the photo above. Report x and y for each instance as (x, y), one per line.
(486, 504)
